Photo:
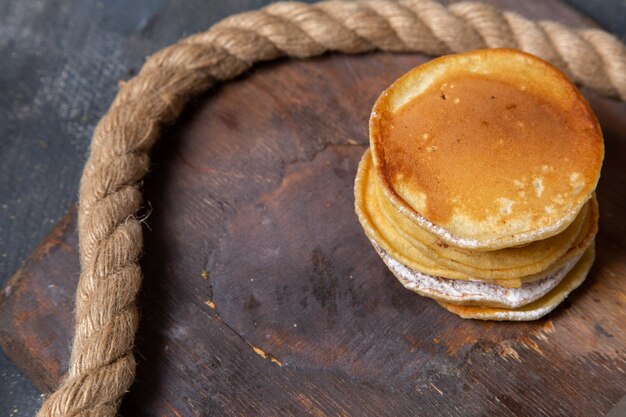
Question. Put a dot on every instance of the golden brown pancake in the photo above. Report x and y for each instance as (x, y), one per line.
(486, 150)
(536, 309)
(478, 191)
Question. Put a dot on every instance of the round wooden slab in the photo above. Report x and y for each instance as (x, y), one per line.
(262, 295)
(261, 281)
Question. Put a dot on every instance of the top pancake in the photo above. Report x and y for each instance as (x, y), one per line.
(487, 149)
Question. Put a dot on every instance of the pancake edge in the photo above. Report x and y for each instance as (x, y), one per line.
(481, 293)
(572, 281)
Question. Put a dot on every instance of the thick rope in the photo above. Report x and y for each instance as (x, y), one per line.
(102, 366)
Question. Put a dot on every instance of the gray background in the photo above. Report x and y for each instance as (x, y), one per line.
(60, 61)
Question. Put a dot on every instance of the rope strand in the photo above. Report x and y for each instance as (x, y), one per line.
(102, 366)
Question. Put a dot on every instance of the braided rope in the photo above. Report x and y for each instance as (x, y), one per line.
(102, 366)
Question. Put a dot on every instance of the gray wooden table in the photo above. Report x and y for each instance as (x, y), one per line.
(59, 66)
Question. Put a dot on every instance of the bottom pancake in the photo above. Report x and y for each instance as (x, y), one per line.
(474, 293)
(536, 309)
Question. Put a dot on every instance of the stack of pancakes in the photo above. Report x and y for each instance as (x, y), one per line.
(478, 187)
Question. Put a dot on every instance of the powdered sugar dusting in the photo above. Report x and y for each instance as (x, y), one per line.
(476, 291)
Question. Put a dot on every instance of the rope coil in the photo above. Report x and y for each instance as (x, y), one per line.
(102, 366)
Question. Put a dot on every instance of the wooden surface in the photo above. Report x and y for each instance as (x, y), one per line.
(262, 295)
(60, 62)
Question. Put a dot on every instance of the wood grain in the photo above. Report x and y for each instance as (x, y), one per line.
(262, 295)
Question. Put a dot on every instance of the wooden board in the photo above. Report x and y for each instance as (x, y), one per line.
(262, 295)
